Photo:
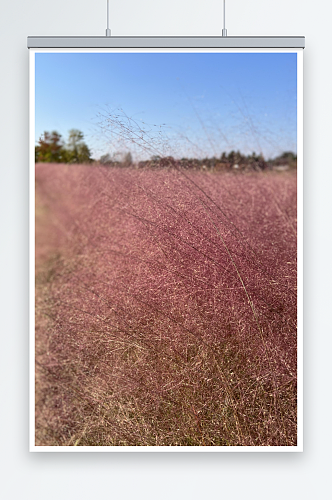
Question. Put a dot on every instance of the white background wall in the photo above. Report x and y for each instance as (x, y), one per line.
(166, 475)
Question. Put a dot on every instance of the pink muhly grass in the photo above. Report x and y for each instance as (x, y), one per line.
(165, 307)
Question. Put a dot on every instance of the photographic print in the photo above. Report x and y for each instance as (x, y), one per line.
(164, 257)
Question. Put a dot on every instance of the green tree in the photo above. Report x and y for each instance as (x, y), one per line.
(128, 159)
(50, 148)
(77, 151)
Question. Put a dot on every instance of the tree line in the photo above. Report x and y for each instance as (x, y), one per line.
(52, 149)
(234, 160)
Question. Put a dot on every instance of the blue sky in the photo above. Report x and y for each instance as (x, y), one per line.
(188, 104)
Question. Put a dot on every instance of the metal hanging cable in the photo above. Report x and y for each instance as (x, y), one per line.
(224, 30)
(108, 31)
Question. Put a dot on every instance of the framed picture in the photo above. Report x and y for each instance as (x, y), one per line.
(166, 248)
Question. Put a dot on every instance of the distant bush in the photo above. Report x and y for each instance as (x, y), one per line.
(118, 159)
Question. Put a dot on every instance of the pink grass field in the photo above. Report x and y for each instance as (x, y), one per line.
(166, 307)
